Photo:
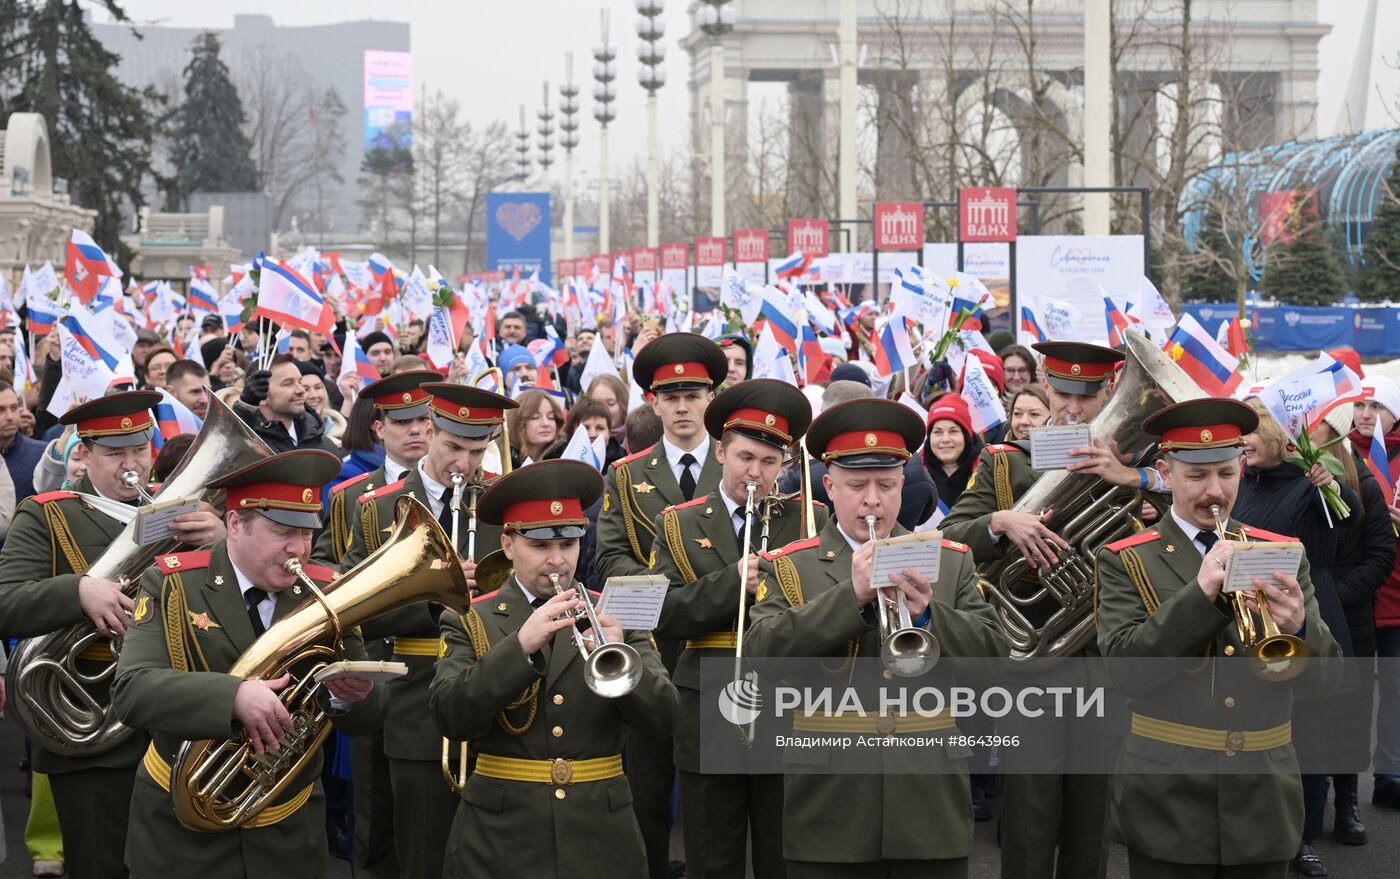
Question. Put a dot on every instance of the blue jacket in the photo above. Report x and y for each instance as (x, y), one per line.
(358, 462)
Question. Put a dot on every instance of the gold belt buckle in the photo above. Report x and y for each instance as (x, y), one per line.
(1234, 742)
(562, 771)
(884, 725)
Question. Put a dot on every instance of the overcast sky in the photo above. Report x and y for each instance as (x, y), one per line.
(493, 56)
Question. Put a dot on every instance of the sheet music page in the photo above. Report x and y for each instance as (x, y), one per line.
(1050, 446)
(922, 552)
(1258, 561)
(635, 601)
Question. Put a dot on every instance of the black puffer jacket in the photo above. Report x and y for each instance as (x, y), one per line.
(308, 425)
(1365, 556)
(951, 486)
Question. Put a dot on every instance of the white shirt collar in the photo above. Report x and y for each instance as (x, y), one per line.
(1189, 530)
(674, 452)
(855, 544)
(729, 504)
(393, 471)
(267, 606)
(433, 488)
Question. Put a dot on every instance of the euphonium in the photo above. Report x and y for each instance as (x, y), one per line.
(1277, 656)
(45, 685)
(905, 649)
(221, 785)
(1049, 611)
(610, 669)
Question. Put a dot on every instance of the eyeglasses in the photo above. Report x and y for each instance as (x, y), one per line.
(1017, 370)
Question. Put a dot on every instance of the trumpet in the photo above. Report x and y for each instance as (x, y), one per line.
(132, 479)
(905, 649)
(1276, 656)
(610, 670)
(749, 488)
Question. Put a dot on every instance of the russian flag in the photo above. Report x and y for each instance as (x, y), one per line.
(1030, 327)
(784, 327)
(43, 314)
(1202, 358)
(796, 264)
(550, 350)
(1117, 321)
(174, 418)
(892, 349)
(80, 322)
(812, 361)
(202, 296)
(355, 362)
(974, 308)
(285, 296)
(86, 266)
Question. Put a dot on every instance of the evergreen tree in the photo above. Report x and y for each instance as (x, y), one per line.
(100, 131)
(1204, 277)
(1380, 275)
(210, 152)
(1301, 268)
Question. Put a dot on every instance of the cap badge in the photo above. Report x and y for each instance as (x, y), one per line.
(306, 496)
(464, 411)
(126, 423)
(407, 397)
(555, 508)
(870, 440)
(1207, 436)
(1074, 369)
(680, 370)
(769, 419)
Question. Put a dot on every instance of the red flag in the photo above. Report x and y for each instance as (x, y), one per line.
(1234, 338)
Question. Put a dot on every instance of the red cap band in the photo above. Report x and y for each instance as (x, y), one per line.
(865, 442)
(757, 419)
(274, 496)
(401, 399)
(547, 513)
(1079, 372)
(1213, 436)
(466, 414)
(115, 425)
(689, 371)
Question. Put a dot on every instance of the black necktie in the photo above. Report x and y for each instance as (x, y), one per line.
(537, 603)
(1207, 539)
(445, 519)
(252, 598)
(687, 480)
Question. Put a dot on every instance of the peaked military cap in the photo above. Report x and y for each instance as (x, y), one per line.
(465, 411)
(1202, 431)
(1078, 367)
(285, 488)
(764, 409)
(544, 501)
(865, 433)
(116, 420)
(401, 397)
(680, 362)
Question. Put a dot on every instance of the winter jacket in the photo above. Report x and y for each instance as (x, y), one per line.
(1388, 598)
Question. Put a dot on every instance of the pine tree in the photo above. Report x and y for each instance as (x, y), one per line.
(1301, 268)
(1204, 277)
(211, 153)
(100, 131)
(1380, 275)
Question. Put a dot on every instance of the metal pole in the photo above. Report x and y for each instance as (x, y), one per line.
(603, 191)
(653, 175)
(568, 204)
(717, 172)
(1098, 113)
(846, 169)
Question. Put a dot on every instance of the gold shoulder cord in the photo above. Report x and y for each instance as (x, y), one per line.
(1138, 574)
(179, 632)
(791, 584)
(1001, 481)
(476, 633)
(61, 538)
(340, 531)
(369, 524)
(676, 542)
(629, 518)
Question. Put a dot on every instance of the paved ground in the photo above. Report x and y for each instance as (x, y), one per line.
(1377, 859)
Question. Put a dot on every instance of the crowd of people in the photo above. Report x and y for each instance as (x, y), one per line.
(663, 498)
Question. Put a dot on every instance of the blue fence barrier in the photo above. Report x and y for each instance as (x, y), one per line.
(1373, 331)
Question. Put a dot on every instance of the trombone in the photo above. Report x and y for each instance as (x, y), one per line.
(1277, 656)
(611, 669)
(905, 649)
(458, 780)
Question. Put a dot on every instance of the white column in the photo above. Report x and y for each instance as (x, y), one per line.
(846, 169)
(653, 175)
(1098, 113)
(603, 191)
(717, 224)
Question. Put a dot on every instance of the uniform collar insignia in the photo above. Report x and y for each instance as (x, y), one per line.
(644, 487)
(704, 542)
(202, 622)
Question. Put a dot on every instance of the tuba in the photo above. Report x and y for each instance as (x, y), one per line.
(1053, 615)
(46, 687)
(222, 785)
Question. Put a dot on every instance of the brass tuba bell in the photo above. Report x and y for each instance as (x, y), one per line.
(47, 689)
(222, 785)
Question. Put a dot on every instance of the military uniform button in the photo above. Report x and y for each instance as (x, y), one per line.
(1229, 650)
(1229, 701)
(888, 675)
(558, 698)
(559, 793)
(557, 731)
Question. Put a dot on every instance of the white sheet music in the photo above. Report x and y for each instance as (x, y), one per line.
(1050, 446)
(922, 552)
(1258, 561)
(635, 601)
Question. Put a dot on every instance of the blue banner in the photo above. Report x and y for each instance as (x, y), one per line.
(518, 233)
(1372, 331)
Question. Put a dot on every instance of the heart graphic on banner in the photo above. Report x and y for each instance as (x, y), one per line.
(518, 218)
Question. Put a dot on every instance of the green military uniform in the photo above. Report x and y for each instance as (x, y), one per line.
(638, 488)
(897, 822)
(1051, 823)
(423, 801)
(1213, 725)
(547, 796)
(697, 548)
(191, 623)
(54, 538)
